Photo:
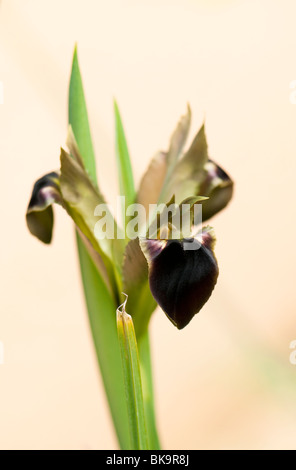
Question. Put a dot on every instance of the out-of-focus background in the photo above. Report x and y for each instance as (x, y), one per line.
(226, 381)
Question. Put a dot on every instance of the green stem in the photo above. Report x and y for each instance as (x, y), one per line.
(147, 388)
(132, 380)
(101, 308)
(101, 312)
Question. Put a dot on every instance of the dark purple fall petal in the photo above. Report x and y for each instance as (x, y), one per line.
(218, 187)
(39, 213)
(182, 275)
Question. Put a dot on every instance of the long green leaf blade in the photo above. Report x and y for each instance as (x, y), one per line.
(78, 118)
(100, 303)
(132, 380)
(125, 172)
(128, 190)
(147, 387)
(101, 312)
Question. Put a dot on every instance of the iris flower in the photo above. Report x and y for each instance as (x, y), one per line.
(168, 261)
(158, 270)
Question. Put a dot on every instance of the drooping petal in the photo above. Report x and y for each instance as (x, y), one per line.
(182, 274)
(218, 186)
(86, 205)
(73, 189)
(39, 214)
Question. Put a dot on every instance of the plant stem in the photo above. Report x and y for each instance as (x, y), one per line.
(147, 388)
(101, 312)
(132, 380)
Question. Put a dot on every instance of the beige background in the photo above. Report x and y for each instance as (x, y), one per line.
(226, 380)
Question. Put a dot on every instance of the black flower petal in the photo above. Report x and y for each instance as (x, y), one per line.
(39, 215)
(218, 187)
(182, 275)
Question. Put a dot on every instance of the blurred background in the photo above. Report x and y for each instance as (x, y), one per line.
(226, 381)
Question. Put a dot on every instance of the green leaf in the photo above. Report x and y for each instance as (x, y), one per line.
(147, 387)
(101, 311)
(78, 118)
(132, 379)
(99, 263)
(141, 306)
(100, 304)
(125, 173)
